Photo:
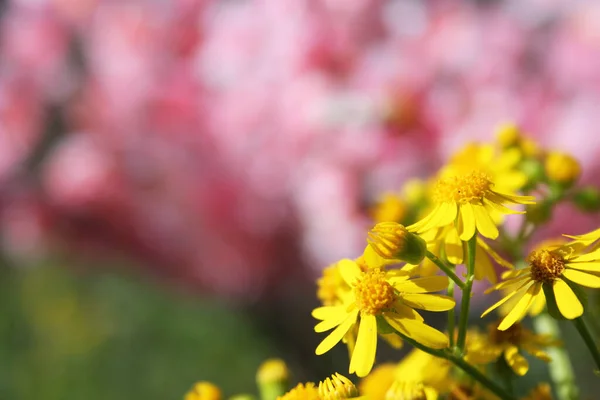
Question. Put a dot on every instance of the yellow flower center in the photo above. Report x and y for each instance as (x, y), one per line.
(468, 188)
(373, 293)
(302, 392)
(337, 387)
(511, 335)
(388, 239)
(546, 266)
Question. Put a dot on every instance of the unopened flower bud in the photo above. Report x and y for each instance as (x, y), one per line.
(562, 168)
(393, 241)
(508, 134)
(204, 391)
(272, 379)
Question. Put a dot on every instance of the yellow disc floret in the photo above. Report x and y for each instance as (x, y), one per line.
(373, 293)
(462, 189)
(302, 391)
(546, 266)
(337, 387)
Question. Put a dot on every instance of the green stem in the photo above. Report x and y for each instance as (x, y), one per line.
(561, 368)
(446, 269)
(462, 364)
(463, 318)
(588, 339)
(451, 316)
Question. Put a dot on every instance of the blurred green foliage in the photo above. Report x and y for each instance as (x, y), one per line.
(66, 335)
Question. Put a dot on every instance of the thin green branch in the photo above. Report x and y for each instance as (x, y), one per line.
(588, 339)
(446, 269)
(451, 316)
(463, 318)
(462, 364)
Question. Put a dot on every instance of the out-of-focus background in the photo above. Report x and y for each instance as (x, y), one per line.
(175, 174)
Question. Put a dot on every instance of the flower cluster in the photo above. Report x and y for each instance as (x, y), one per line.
(473, 221)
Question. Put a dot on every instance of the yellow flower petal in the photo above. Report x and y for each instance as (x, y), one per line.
(418, 331)
(568, 304)
(363, 356)
(337, 334)
(405, 311)
(453, 246)
(521, 307)
(427, 223)
(429, 302)
(582, 278)
(485, 225)
(483, 267)
(421, 285)
(374, 260)
(483, 354)
(468, 222)
(520, 290)
(585, 266)
(594, 256)
(516, 361)
(448, 212)
(349, 270)
(508, 283)
(500, 208)
(331, 322)
(327, 312)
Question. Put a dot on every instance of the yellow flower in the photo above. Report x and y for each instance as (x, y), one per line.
(508, 134)
(562, 168)
(302, 391)
(389, 207)
(376, 384)
(485, 349)
(272, 378)
(470, 202)
(556, 269)
(204, 391)
(539, 304)
(406, 390)
(543, 391)
(390, 295)
(501, 167)
(588, 239)
(338, 387)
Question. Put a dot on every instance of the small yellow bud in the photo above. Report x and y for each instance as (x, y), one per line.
(204, 391)
(562, 168)
(393, 241)
(508, 134)
(272, 378)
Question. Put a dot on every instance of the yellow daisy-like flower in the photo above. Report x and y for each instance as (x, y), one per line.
(556, 269)
(470, 202)
(337, 387)
(302, 391)
(390, 295)
(204, 391)
(485, 349)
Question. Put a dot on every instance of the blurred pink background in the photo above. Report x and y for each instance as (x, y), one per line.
(228, 144)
